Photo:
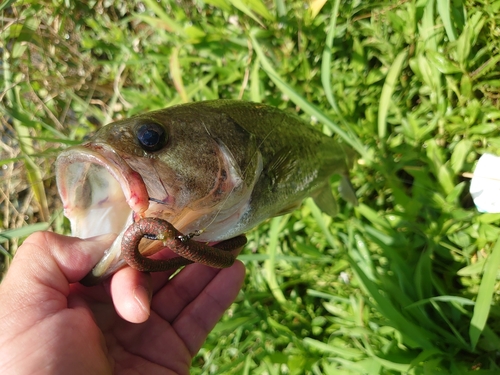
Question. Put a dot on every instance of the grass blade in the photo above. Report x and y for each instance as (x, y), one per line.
(326, 74)
(176, 72)
(168, 23)
(270, 263)
(280, 7)
(387, 91)
(484, 296)
(318, 216)
(412, 332)
(255, 83)
(443, 8)
(241, 6)
(349, 353)
(315, 7)
(23, 231)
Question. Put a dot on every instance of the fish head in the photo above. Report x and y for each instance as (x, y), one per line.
(148, 166)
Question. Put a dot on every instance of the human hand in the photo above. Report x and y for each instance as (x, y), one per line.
(49, 324)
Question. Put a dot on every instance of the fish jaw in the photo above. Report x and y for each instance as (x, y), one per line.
(101, 194)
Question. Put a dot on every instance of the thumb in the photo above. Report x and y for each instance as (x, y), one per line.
(54, 260)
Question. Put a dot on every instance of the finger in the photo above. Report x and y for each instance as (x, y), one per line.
(54, 260)
(160, 279)
(184, 288)
(175, 295)
(131, 290)
(199, 317)
(131, 293)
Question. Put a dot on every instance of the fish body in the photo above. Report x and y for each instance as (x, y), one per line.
(217, 168)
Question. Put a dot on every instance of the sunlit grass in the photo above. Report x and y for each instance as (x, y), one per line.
(407, 282)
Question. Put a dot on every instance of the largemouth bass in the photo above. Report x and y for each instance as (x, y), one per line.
(217, 168)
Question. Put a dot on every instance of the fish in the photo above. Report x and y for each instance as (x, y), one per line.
(214, 168)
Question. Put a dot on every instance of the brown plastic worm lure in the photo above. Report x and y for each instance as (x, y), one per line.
(189, 251)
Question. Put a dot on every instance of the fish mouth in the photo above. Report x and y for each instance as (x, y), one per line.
(101, 194)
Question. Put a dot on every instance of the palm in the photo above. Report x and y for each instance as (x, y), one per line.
(148, 348)
(182, 314)
(68, 328)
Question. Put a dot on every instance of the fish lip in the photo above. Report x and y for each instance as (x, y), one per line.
(132, 198)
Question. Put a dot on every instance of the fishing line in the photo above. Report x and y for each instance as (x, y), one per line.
(156, 200)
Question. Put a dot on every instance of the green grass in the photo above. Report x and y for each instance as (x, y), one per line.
(405, 283)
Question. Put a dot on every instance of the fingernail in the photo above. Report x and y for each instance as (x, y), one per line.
(143, 299)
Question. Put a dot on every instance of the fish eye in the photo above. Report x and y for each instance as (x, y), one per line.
(151, 136)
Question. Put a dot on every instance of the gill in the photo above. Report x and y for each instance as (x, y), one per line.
(198, 232)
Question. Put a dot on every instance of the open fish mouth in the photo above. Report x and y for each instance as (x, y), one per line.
(101, 194)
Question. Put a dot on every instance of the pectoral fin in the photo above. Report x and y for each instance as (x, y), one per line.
(326, 202)
(290, 208)
(282, 165)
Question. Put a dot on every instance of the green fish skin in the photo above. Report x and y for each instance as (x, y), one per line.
(216, 167)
